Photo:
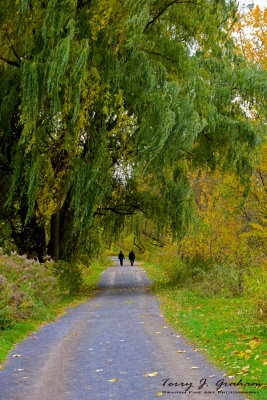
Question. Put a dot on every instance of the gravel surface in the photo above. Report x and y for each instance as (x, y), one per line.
(104, 349)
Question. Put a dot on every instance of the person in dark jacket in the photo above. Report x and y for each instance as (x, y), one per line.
(131, 257)
(121, 257)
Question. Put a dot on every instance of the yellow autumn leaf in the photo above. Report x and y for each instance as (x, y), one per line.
(253, 344)
(159, 394)
(180, 351)
(16, 355)
(194, 367)
(152, 374)
(113, 380)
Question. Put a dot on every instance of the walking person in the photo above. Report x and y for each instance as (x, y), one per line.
(131, 257)
(121, 257)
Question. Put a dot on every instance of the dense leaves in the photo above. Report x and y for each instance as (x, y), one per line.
(105, 104)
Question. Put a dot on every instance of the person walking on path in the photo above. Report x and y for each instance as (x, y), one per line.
(131, 257)
(121, 257)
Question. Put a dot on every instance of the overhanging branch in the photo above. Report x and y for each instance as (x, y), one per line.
(14, 63)
(163, 10)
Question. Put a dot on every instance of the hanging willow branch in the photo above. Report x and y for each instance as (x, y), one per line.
(14, 63)
(163, 10)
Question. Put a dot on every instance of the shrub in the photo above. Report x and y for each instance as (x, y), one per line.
(69, 276)
(219, 279)
(255, 287)
(25, 286)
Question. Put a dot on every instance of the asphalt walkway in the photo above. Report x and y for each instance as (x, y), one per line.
(117, 346)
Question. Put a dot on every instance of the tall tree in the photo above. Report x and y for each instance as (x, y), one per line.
(100, 100)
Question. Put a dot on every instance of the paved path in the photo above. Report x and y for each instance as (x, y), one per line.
(103, 350)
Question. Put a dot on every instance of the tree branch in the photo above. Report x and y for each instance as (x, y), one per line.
(206, 136)
(262, 179)
(163, 10)
(14, 63)
(16, 54)
(154, 53)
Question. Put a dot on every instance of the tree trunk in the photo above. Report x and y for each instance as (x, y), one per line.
(53, 247)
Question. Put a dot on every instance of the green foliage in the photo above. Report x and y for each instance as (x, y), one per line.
(69, 276)
(26, 287)
(222, 327)
(255, 287)
(30, 295)
(99, 97)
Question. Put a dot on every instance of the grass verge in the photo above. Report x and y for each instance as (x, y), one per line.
(222, 327)
(48, 313)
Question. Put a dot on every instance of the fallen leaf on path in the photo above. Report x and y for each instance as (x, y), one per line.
(212, 376)
(180, 351)
(16, 355)
(152, 374)
(74, 334)
(98, 370)
(159, 394)
(113, 380)
(19, 369)
(164, 327)
(194, 367)
(158, 332)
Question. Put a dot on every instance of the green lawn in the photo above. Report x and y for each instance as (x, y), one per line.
(221, 327)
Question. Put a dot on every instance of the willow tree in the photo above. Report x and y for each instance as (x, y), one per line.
(104, 104)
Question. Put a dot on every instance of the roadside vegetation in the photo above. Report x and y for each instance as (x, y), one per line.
(34, 293)
(205, 306)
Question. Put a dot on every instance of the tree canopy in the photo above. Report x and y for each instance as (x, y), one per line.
(105, 105)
